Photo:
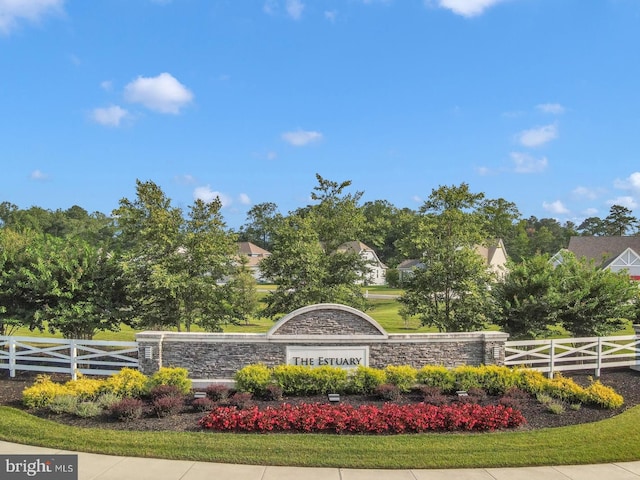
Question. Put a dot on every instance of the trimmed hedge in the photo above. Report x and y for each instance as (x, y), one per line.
(495, 380)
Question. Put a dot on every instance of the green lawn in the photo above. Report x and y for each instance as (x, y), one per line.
(613, 440)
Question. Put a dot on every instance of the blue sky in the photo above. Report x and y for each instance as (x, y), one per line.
(533, 101)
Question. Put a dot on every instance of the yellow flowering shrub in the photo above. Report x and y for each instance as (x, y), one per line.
(42, 392)
(174, 376)
(601, 395)
(402, 376)
(85, 388)
(126, 383)
(437, 376)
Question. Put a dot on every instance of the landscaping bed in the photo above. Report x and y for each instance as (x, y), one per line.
(626, 382)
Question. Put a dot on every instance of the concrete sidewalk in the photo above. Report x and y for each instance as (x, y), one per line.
(106, 467)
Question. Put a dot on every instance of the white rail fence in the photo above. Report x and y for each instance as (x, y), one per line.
(589, 353)
(95, 357)
(55, 355)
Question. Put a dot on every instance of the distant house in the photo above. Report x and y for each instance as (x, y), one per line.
(494, 254)
(254, 255)
(377, 271)
(613, 253)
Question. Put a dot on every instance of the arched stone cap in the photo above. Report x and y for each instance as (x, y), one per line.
(327, 319)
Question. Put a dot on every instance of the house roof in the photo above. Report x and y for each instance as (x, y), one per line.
(358, 247)
(252, 250)
(409, 264)
(488, 252)
(602, 250)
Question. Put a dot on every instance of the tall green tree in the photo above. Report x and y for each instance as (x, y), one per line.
(261, 223)
(595, 301)
(451, 289)
(85, 293)
(620, 221)
(336, 216)
(528, 298)
(21, 269)
(306, 273)
(174, 265)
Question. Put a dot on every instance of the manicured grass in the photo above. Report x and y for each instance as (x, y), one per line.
(613, 440)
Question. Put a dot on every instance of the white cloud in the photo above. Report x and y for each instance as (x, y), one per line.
(244, 199)
(624, 201)
(417, 199)
(294, 9)
(537, 137)
(207, 195)
(331, 15)
(525, 163)
(270, 6)
(163, 94)
(106, 85)
(272, 155)
(300, 138)
(483, 171)
(466, 8)
(556, 207)
(185, 179)
(38, 175)
(552, 108)
(109, 116)
(585, 192)
(590, 212)
(632, 182)
(13, 11)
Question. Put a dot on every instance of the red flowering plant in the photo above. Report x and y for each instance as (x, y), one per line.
(370, 419)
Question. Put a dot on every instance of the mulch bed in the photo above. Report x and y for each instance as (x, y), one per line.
(624, 381)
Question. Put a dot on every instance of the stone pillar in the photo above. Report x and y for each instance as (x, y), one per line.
(149, 351)
(494, 348)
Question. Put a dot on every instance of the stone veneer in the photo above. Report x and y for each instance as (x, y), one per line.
(217, 356)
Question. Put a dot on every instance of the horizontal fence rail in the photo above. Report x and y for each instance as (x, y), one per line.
(589, 353)
(56, 355)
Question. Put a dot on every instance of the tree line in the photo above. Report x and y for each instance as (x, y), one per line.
(150, 264)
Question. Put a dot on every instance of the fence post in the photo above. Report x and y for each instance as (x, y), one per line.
(552, 352)
(73, 360)
(599, 358)
(12, 357)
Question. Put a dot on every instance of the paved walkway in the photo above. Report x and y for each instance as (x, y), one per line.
(106, 467)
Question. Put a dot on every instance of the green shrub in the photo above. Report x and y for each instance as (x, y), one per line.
(88, 409)
(106, 399)
(557, 408)
(172, 376)
(403, 376)
(64, 404)
(253, 379)
(364, 380)
(437, 376)
(126, 383)
(42, 392)
(300, 380)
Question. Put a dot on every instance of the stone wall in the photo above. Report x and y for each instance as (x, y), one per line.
(217, 356)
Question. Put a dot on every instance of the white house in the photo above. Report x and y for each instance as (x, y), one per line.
(377, 271)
